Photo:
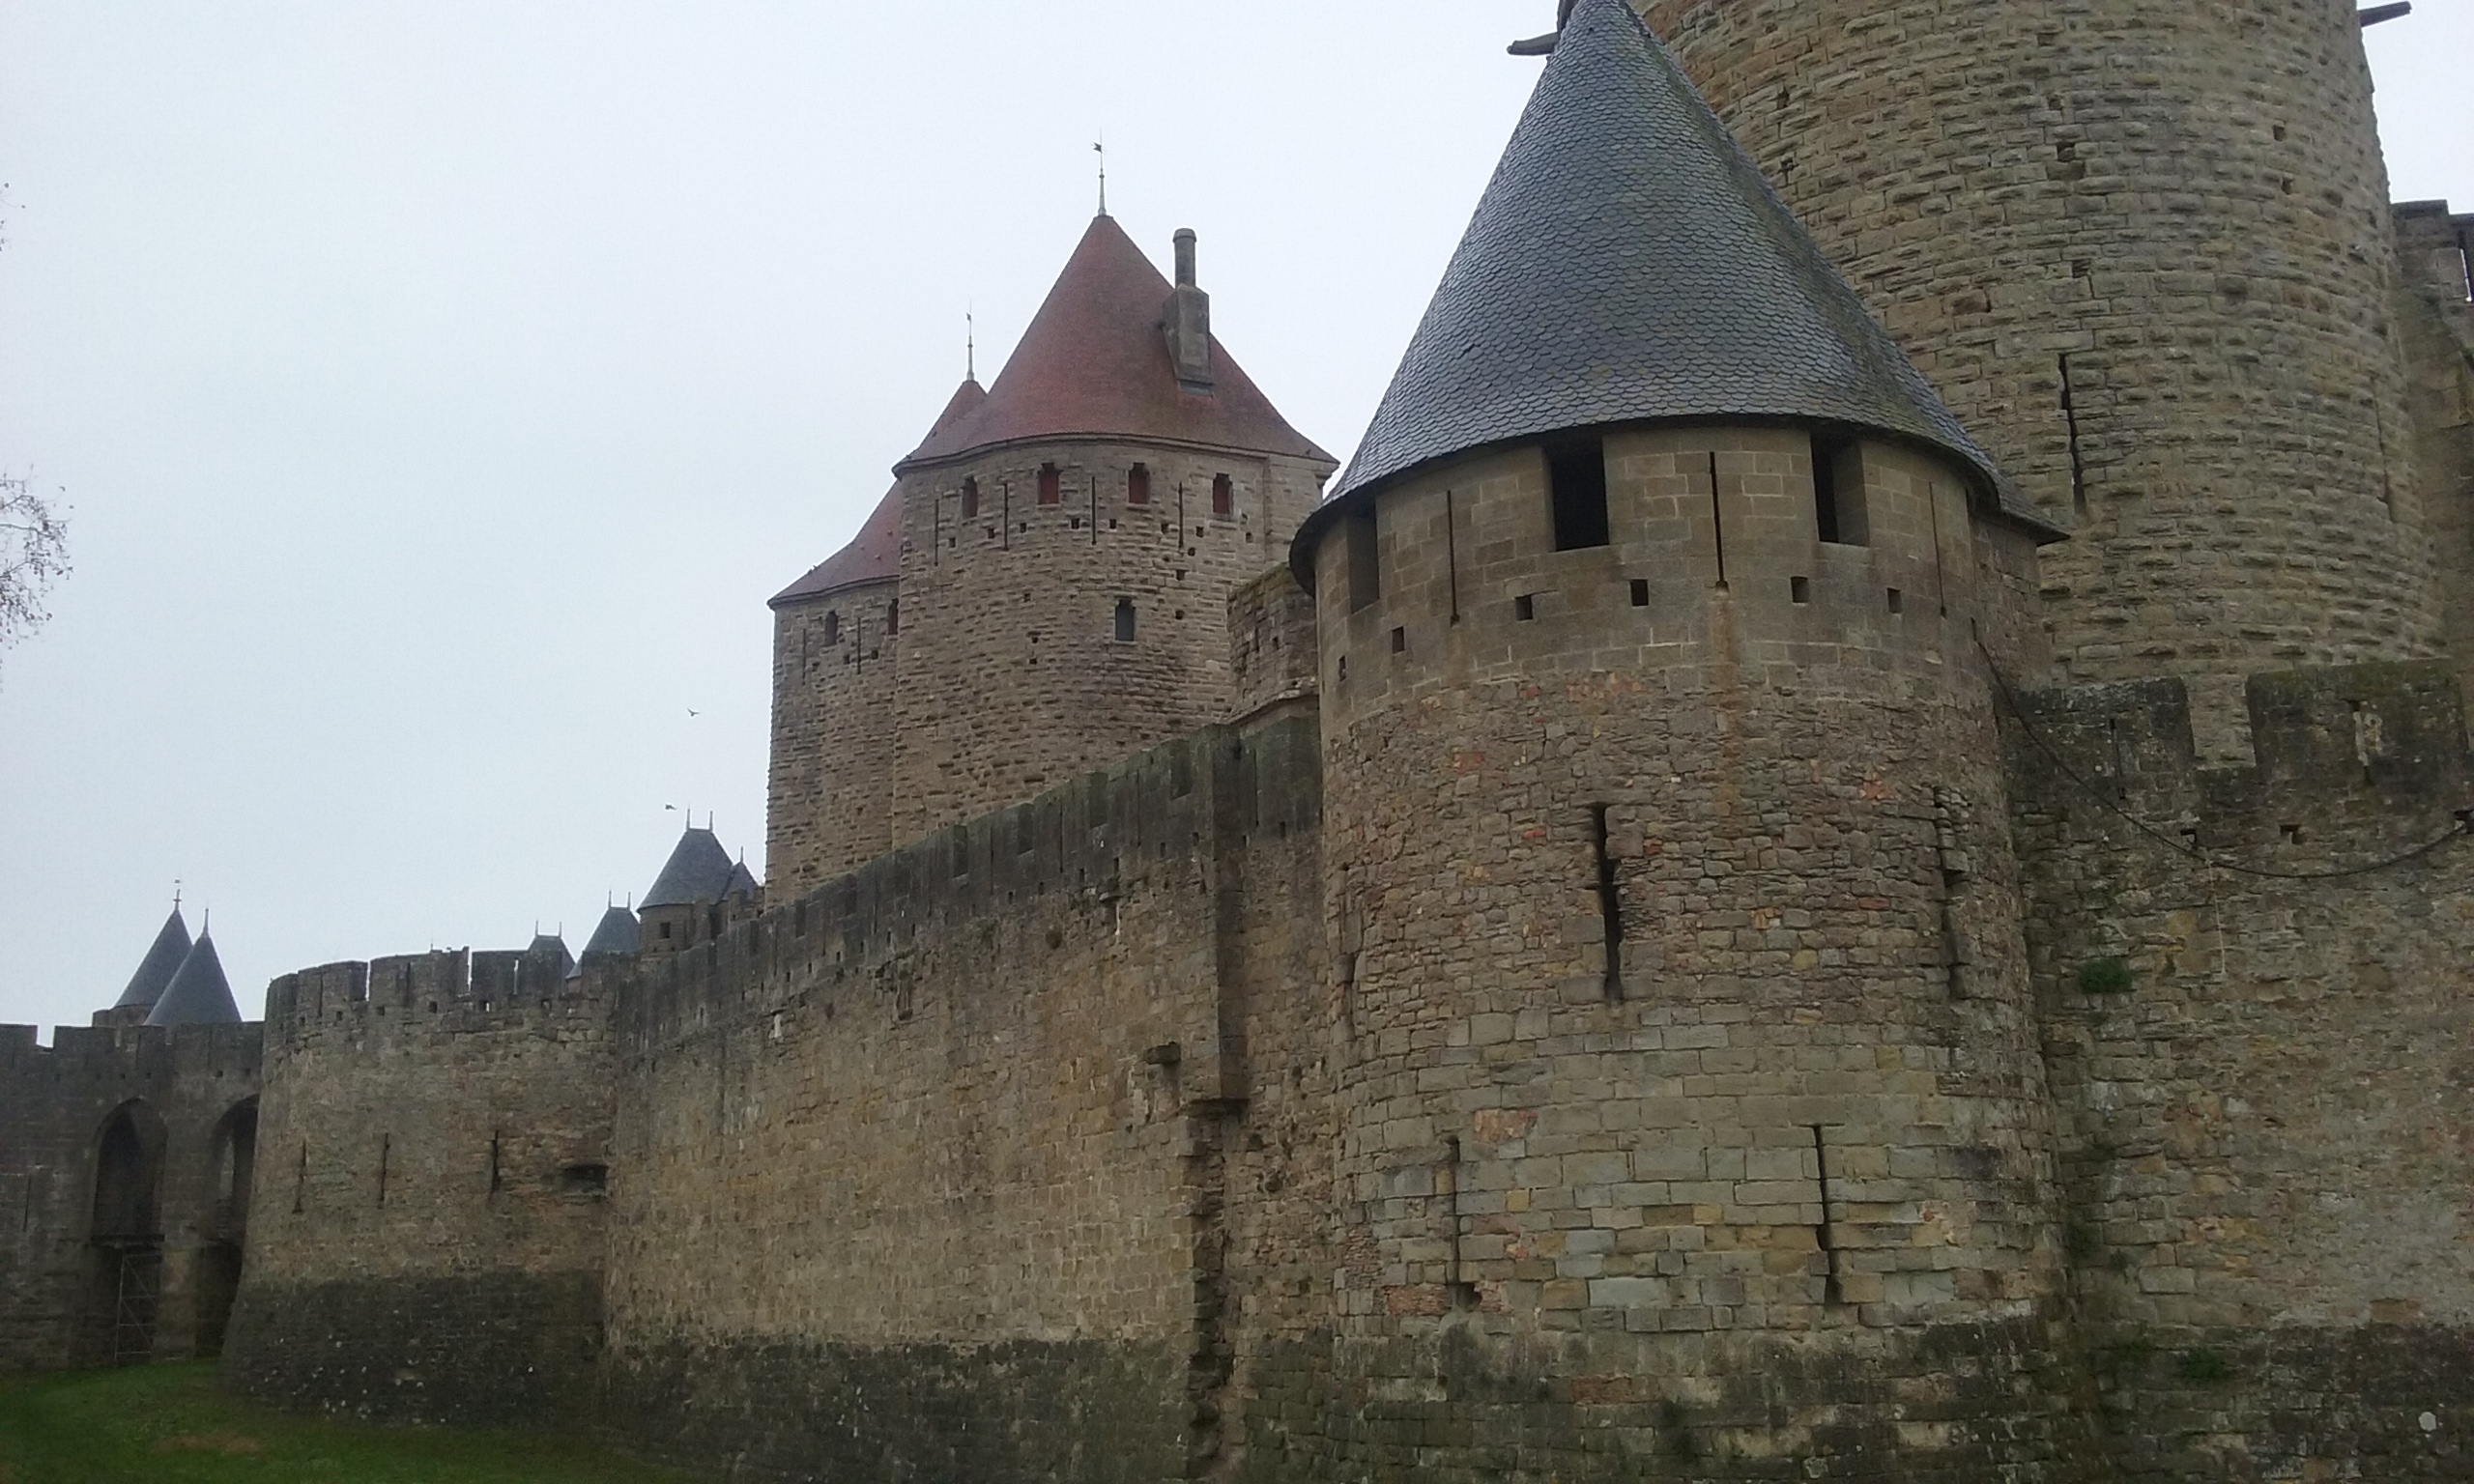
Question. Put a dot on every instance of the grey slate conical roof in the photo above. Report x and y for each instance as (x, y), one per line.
(550, 946)
(198, 993)
(699, 870)
(161, 963)
(1629, 264)
(616, 933)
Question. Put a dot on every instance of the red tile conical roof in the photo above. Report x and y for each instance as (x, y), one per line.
(875, 553)
(1095, 363)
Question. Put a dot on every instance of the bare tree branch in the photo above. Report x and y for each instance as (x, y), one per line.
(33, 555)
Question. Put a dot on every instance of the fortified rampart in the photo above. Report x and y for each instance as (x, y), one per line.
(432, 1188)
(1625, 959)
(2251, 986)
(997, 1155)
(125, 1181)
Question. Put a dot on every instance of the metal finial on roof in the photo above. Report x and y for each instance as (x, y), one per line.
(970, 344)
(1102, 149)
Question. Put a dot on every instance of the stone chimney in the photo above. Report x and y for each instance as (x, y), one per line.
(1188, 321)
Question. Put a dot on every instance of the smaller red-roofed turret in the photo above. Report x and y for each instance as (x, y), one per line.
(1045, 590)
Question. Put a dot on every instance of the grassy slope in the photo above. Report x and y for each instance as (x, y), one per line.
(167, 1424)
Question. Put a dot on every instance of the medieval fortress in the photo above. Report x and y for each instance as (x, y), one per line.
(1838, 855)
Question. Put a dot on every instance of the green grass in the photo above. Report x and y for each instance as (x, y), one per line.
(166, 1424)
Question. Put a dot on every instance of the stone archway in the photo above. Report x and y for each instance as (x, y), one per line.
(234, 1162)
(125, 1234)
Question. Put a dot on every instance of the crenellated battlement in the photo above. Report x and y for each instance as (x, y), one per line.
(1171, 811)
(121, 1052)
(447, 990)
(2354, 762)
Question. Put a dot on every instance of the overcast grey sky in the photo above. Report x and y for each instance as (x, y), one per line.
(442, 385)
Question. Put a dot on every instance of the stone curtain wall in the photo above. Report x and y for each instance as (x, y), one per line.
(56, 1294)
(432, 1170)
(2268, 1082)
(1272, 650)
(2187, 201)
(1012, 679)
(1772, 1196)
(956, 1143)
(830, 788)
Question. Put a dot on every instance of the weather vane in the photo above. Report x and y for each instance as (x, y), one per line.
(1102, 150)
(1540, 45)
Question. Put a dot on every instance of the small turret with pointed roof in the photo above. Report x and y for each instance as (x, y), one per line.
(155, 971)
(198, 993)
(615, 934)
(700, 890)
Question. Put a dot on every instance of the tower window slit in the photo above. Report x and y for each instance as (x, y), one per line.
(971, 496)
(1125, 620)
(1051, 485)
(1610, 902)
(1366, 578)
(1224, 495)
(1577, 482)
(1137, 485)
(1838, 492)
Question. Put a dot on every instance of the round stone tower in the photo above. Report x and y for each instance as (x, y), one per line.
(2142, 248)
(1068, 548)
(1687, 1021)
(830, 785)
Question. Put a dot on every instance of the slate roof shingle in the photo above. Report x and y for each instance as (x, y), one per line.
(162, 960)
(1627, 264)
(198, 995)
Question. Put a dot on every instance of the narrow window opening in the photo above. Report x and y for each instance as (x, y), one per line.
(893, 617)
(1125, 620)
(1799, 589)
(1838, 492)
(300, 1175)
(1718, 522)
(495, 1180)
(1137, 485)
(1640, 593)
(585, 1180)
(1051, 485)
(1399, 641)
(1825, 1235)
(1610, 902)
(1898, 601)
(1366, 576)
(1576, 479)
(833, 628)
(386, 1148)
(1224, 496)
(1524, 607)
(2070, 425)
(1464, 1294)
(971, 496)
(665, 930)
